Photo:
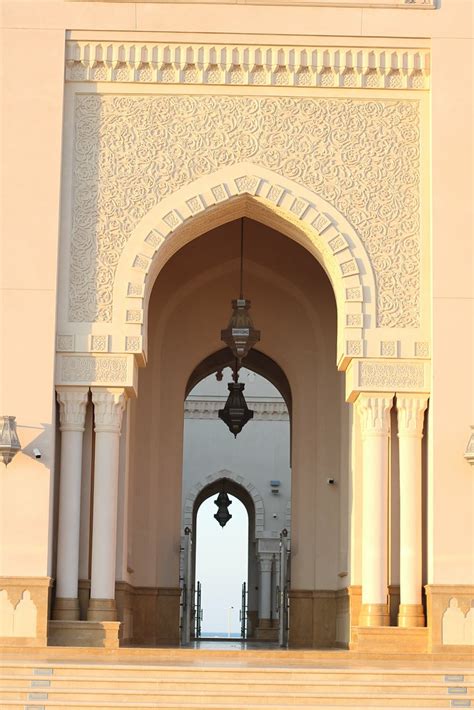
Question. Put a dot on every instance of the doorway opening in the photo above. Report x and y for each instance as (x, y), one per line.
(234, 585)
(221, 570)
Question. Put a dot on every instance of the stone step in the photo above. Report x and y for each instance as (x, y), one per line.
(296, 698)
(228, 673)
(208, 705)
(200, 684)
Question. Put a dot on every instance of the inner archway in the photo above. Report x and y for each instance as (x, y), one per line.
(294, 307)
(254, 468)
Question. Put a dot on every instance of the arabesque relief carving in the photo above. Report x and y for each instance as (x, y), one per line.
(362, 156)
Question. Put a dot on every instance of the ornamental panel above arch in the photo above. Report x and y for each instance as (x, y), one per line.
(339, 170)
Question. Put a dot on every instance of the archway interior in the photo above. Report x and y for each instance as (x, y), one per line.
(293, 305)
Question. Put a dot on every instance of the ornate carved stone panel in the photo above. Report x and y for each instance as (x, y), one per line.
(362, 156)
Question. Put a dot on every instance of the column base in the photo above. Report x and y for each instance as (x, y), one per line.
(102, 610)
(66, 609)
(374, 615)
(411, 615)
(266, 631)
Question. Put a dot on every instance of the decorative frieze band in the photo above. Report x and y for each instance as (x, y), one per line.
(208, 409)
(371, 375)
(213, 64)
(100, 370)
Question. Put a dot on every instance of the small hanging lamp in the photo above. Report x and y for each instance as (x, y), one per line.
(9, 442)
(223, 501)
(236, 413)
(240, 335)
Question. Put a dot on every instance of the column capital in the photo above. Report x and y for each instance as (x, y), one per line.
(265, 560)
(374, 411)
(410, 414)
(109, 405)
(72, 407)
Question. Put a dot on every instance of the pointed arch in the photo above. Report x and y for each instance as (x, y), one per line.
(240, 481)
(247, 190)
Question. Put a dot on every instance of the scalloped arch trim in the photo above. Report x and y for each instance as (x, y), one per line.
(247, 190)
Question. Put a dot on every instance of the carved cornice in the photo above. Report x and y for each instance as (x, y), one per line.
(103, 370)
(398, 376)
(208, 409)
(254, 65)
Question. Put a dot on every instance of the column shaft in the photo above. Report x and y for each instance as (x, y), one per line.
(410, 410)
(375, 418)
(265, 590)
(108, 409)
(73, 403)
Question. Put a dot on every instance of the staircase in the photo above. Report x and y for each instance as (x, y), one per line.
(234, 683)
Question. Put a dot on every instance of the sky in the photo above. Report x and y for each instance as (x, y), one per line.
(221, 565)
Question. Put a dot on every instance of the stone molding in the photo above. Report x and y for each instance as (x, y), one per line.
(374, 412)
(241, 481)
(109, 405)
(248, 65)
(395, 376)
(410, 414)
(72, 407)
(208, 409)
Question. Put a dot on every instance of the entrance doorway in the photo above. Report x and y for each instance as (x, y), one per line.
(220, 604)
(252, 476)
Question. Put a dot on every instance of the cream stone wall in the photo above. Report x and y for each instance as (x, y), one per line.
(38, 112)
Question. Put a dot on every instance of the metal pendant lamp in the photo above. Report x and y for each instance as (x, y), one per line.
(236, 413)
(240, 335)
(223, 501)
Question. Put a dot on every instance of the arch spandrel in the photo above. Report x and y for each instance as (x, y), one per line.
(245, 190)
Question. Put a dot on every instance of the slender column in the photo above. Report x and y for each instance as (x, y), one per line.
(410, 411)
(374, 410)
(275, 586)
(72, 415)
(265, 589)
(109, 404)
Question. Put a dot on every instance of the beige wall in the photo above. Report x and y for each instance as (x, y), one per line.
(33, 46)
(31, 162)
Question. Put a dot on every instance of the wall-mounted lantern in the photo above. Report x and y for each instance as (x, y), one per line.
(469, 453)
(9, 441)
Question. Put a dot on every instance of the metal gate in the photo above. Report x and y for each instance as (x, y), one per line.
(283, 591)
(186, 588)
(244, 612)
(198, 612)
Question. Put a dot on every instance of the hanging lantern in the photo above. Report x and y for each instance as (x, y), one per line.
(222, 501)
(240, 335)
(9, 442)
(236, 413)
